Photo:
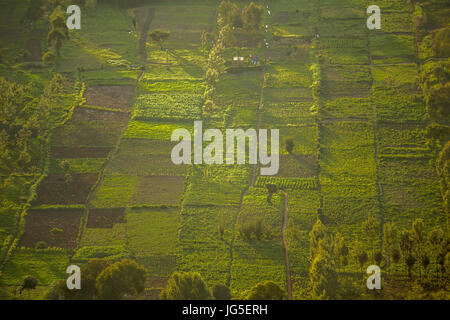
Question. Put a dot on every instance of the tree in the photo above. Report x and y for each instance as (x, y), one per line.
(318, 232)
(340, 249)
(58, 32)
(323, 277)
(267, 290)
(418, 236)
(205, 39)
(226, 36)
(290, 145)
(90, 271)
(252, 16)
(390, 239)
(28, 283)
(378, 258)
(371, 228)
(271, 189)
(229, 14)
(125, 277)
(361, 255)
(159, 36)
(186, 286)
(410, 261)
(221, 292)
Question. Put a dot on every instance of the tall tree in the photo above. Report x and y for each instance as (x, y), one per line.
(267, 290)
(371, 230)
(186, 286)
(160, 36)
(125, 277)
(252, 16)
(58, 32)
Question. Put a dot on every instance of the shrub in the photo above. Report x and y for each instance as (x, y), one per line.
(41, 245)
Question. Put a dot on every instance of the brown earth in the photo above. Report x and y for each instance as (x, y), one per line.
(39, 223)
(105, 218)
(87, 114)
(54, 189)
(114, 97)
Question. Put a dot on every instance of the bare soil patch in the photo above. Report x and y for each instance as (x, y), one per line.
(105, 218)
(55, 190)
(39, 224)
(87, 114)
(114, 97)
(76, 153)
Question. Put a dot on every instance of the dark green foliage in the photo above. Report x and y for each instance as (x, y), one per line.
(89, 273)
(159, 36)
(441, 43)
(186, 286)
(125, 277)
(252, 16)
(267, 290)
(221, 292)
(28, 283)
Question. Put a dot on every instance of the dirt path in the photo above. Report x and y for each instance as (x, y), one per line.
(143, 32)
(285, 245)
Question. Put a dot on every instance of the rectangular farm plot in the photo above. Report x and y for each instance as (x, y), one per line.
(105, 227)
(153, 236)
(203, 247)
(217, 184)
(159, 190)
(258, 260)
(42, 225)
(410, 191)
(96, 114)
(390, 48)
(145, 157)
(287, 113)
(152, 130)
(113, 97)
(56, 189)
(115, 191)
(87, 134)
(162, 106)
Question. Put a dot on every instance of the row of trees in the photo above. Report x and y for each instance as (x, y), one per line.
(101, 279)
(191, 286)
(416, 248)
(24, 120)
(250, 18)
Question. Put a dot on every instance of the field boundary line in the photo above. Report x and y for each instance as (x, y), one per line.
(285, 245)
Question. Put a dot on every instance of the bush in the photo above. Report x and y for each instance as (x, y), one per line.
(41, 245)
(441, 43)
(49, 56)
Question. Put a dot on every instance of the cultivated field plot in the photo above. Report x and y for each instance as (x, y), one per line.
(145, 157)
(55, 189)
(113, 97)
(92, 114)
(57, 228)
